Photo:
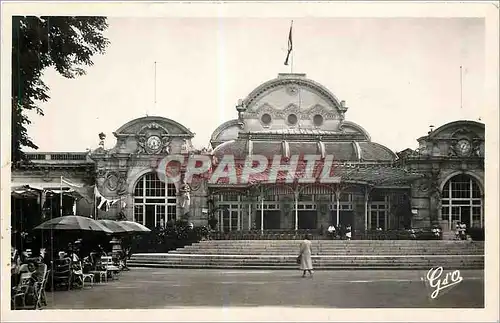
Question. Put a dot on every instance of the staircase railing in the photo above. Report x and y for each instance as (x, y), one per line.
(283, 234)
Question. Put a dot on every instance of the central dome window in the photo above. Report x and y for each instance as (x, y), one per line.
(266, 118)
(292, 119)
(318, 120)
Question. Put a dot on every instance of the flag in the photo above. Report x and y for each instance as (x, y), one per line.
(65, 181)
(102, 203)
(290, 44)
(84, 191)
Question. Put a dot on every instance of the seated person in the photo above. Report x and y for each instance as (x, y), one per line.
(29, 277)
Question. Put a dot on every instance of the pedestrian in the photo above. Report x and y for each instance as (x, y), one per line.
(331, 231)
(305, 256)
(463, 230)
(348, 233)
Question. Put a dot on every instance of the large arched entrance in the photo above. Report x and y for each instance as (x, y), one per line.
(462, 201)
(155, 202)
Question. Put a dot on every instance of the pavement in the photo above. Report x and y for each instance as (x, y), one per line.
(150, 288)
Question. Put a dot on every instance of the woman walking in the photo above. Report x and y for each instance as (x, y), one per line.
(305, 256)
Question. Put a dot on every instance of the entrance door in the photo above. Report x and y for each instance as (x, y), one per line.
(346, 218)
(465, 215)
(272, 220)
(150, 216)
(307, 219)
(230, 220)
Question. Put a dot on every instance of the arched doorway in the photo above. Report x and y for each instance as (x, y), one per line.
(155, 202)
(462, 201)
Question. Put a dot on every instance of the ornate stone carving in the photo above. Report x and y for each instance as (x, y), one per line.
(292, 89)
(185, 197)
(46, 175)
(326, 113)
(476, 147)
(302, 83)
(101, 173)
(165, 145)
(112, 182)
(292, 108)
(121, 186)
(153, 138)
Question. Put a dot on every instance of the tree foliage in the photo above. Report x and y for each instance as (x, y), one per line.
(65, 43)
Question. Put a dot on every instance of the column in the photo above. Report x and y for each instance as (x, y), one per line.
(296, 197)
(262, 213)
(43, 198)
(366, 208)
(337, 196)
(249, 215)
(240, 214)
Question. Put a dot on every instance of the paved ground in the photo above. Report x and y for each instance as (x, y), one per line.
(143, 288)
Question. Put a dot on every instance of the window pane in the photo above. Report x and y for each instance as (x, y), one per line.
(455, 213)
(231, 198)
(138, 213)
(171, 212)
(378, 197)
(155, 200)
(445, 211)
(345, 197)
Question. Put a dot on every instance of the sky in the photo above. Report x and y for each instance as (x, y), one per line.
(398, 76)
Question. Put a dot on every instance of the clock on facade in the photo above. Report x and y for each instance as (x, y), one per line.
(464, 147)
(153, 143)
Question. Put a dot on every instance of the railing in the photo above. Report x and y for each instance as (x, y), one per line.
(278, 234)
(58, 156)
(317, 234)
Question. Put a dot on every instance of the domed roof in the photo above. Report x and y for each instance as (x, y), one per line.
(341, 150)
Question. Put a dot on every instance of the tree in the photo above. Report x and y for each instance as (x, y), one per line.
(64, 43)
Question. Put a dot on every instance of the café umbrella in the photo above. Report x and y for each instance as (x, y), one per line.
(73, 223)
(117, 227)
(137, 227)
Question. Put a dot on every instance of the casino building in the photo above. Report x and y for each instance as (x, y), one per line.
(289, 117)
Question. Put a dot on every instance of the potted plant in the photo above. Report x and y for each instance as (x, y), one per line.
(212, 222)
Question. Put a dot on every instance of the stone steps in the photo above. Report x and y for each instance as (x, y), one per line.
(389, 262)
(327, 254)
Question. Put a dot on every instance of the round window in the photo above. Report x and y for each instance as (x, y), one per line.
(318, 120)
(292, 119)
(266, 118)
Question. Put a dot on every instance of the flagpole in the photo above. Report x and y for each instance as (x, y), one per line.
(461, 88)
(61, 199)
(291, 62)
(95, 202)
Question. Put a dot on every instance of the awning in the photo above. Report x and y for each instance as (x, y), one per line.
(365, 174)
(24, 191)
(34, 190)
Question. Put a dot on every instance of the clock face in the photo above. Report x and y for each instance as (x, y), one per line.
(464, 147)
(154, 142)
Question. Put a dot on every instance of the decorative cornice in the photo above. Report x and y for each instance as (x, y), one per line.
(326, 138)
(291, 81)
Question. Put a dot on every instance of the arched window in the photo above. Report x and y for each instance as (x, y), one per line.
(461, 201)
(154, 201)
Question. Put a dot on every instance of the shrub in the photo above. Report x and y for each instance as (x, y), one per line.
(174, 235)
(476, 234)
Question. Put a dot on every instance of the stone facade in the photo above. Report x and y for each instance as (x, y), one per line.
(289, 115)
(456, 148)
